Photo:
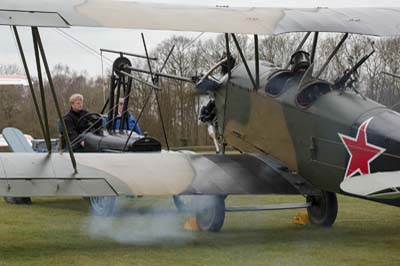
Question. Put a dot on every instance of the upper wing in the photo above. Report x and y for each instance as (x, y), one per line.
(106, 174)
(275, 17)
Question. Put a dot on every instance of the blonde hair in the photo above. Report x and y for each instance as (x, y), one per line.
(75, 97)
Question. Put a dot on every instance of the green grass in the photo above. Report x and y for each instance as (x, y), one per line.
(54, 232)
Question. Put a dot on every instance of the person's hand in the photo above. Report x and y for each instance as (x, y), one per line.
(82, 143)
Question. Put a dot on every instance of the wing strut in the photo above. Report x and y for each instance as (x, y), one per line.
(257, 60)
(42, 95)
(334, 52)
(228, 55)
(244, 61)
(37, 39)
(314, 47)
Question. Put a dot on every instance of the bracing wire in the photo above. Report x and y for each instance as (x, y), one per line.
(83, 45)
(193, 41)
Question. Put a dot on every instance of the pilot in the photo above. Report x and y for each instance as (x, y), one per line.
(229, 64)
(131, 119)
(75, 127)
(300, 61)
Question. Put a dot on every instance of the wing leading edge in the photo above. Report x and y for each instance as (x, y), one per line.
(33, 174)
(276, 17)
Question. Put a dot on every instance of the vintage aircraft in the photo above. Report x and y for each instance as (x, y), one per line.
(299, 134)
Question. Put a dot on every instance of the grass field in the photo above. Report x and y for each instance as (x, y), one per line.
(61, 232)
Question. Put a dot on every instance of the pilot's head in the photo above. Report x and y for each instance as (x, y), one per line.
(76, 102)
(300, 61)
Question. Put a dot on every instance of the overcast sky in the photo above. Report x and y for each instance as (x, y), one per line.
(60, 49)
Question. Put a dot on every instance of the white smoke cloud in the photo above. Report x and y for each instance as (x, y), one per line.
(144, 224)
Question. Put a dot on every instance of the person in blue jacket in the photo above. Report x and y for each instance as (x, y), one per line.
(131, 119)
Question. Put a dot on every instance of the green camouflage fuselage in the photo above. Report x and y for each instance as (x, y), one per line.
(305, 138)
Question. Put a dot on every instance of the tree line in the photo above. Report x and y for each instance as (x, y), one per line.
(179, 105)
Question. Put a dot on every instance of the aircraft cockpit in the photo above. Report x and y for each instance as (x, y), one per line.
(112, 132)
(282, 80)
(312, 92)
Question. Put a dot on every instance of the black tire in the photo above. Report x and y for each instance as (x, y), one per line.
(323, 210)
(16, 200)
(102, 206)
(210, 213)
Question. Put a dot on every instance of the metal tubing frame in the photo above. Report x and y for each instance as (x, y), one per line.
(138, 118)
(303, 41)
(160, 74)
(272, 207)
(228, 54)
(53, 92)
(166, 59)
(125, 114)
(111, 102)
(314, 47)
(244, 61)
(257, 60)
(104, 106)
(119, 83)
(28, 76)
(126, 53)
(151, 85)
(391, 74)
(42, 94)
(156, 94)
(334, 52)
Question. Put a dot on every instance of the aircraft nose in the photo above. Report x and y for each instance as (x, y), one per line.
(378, 135)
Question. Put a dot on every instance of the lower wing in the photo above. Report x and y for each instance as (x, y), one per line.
(169, 173)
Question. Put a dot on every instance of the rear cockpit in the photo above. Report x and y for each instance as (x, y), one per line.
(297, 78)
(305, 95)
(275, 81)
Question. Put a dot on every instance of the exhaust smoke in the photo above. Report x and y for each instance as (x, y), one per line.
(148, 222)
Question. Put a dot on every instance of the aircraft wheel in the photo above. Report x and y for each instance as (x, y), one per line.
(13, 200)
(210, 213)
(102, 206)
(323, 210)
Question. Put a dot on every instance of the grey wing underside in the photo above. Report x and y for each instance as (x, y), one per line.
(380, 18)
(34, 174)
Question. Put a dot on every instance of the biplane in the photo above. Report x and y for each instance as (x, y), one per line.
(297, 133)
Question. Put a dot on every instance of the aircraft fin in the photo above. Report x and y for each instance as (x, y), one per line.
(16, 140)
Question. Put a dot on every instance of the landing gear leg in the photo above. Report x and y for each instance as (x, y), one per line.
(324, 208)
(183, 203)
(210, 213)
(102, 206)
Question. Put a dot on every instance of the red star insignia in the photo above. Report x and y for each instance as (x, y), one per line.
(361, 152)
